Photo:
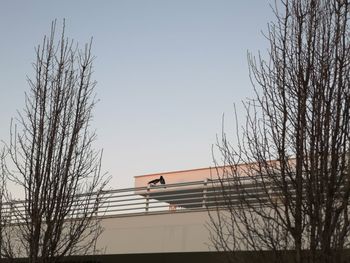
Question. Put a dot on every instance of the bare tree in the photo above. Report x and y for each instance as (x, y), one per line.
(54, 161)
(2, 201)
(286, 185)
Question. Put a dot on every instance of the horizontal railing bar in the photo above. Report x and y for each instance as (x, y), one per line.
(187, 195)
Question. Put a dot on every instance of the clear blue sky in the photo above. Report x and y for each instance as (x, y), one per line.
(166, 72)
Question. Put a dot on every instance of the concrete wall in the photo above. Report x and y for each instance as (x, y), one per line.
(158, 233)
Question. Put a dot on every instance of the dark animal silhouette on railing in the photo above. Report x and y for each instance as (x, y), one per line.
(156, 181)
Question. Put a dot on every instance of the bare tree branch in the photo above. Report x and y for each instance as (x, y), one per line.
(290, 171)
(52, 151)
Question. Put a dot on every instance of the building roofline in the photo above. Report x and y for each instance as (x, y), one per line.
(198, 169)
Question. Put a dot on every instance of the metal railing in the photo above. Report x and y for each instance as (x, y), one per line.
(168, 198)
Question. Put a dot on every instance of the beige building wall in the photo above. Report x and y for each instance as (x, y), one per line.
(200, 174)
(158, 233)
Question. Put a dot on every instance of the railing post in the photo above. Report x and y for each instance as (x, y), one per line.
(11, 212)
(97, 206)
(204, 193)
(147, 198)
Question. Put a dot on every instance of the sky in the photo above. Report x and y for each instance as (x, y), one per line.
(166, 70)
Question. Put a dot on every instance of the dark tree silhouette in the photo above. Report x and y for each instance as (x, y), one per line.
(286, 184)
(2, 202)
(55, 163)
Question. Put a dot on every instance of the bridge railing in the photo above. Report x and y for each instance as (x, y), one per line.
(167, 198)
